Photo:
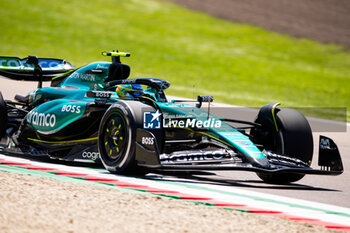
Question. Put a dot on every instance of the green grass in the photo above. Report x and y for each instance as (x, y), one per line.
(239, 64)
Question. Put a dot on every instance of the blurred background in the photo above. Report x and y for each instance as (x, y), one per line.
(246, 53)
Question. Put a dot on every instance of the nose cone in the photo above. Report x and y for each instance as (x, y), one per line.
(247, 149)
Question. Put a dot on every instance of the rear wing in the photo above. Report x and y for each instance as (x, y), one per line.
(32, 68)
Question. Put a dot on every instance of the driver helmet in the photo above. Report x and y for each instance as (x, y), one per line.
(129, 90)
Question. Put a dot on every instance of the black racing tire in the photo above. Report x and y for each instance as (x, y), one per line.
(294, 139)
(3, 117)
(116, 140)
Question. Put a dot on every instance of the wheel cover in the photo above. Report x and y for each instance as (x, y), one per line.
(115, 137)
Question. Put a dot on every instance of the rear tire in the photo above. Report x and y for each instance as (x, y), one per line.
(3, 117)
(293, 139)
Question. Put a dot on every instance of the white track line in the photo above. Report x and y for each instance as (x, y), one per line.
(292, 206)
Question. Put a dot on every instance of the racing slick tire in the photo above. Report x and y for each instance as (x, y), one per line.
(3, 117)
(293, 139)
(116, 138)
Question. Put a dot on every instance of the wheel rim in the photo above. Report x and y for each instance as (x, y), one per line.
(115, 137)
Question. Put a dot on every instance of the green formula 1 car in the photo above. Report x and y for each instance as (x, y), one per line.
(96, 113)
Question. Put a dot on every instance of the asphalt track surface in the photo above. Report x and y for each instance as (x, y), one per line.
(333, 190)
(325, 189)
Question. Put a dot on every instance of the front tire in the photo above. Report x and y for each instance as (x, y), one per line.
(294, 139)
(116, 139)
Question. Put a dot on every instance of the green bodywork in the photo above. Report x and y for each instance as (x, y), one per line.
(58, 106)
(225, 133)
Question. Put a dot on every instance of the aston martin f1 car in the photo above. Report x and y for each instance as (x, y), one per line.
(97, 113)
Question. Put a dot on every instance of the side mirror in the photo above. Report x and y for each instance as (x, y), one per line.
(205, 99)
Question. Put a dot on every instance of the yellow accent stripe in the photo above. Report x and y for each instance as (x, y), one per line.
(273, 115)
(55, 142)
(208, 135)
(115, 54)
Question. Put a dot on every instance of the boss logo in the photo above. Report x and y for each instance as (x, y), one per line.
(90, 155)
(98, 94)
(101, 94)
(147, 141)
(71, 108)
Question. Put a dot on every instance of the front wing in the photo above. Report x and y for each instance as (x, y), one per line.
(329, 161)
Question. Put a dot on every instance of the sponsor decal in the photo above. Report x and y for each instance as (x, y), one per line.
(102, 94)
(90, 155)
(147, 140)
(71, 108)
(44, 63)
(325, 144)
(196, 156)
(99, 94)
(41, 119)
(128, 81)
(246, 143)
(102, 67)
(84, 77)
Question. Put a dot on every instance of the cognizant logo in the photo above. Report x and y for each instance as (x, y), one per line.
(41, 119)
(90, 155)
